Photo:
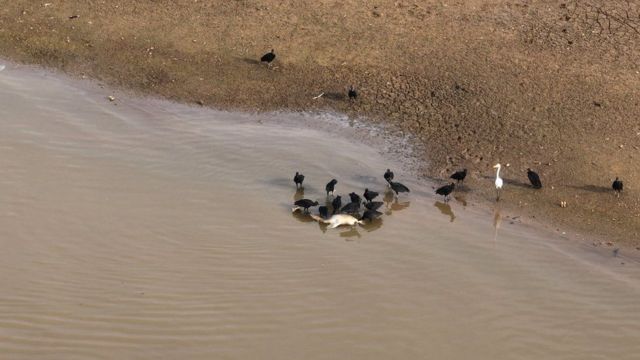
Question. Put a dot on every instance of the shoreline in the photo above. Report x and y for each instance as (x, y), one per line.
(465, 104)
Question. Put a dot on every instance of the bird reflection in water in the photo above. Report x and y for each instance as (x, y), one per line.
(299, 194)
(497, 219)
(302, 216)
(392, 203)
(461, 199)
(351, 233)
(445, 209)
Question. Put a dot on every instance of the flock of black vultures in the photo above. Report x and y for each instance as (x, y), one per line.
(350, 213)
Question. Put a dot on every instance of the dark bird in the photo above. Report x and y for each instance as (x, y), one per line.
(353, 94)
(331, 186)
(350, 208)
(459, 175)
(336, 203)
(397, 187)
(370, 195)
(355, 198)
(304, 204)
(324, 212)
(373, 205)
(370, 215)
(534, 178)
(388, 175)
(617, 186)
(268, 57)
(298, 179)
(446, 190)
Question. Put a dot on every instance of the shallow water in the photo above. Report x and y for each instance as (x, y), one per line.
(146, 229)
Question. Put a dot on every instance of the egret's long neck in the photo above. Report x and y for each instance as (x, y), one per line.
(498, 172)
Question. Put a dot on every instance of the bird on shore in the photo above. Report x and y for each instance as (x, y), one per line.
(370, 195)
(498, 181)
(336, 203)
(298, 179)
(355, 198)
(353, 94)
(373, 205)
(459, 176)
(388, 175)
(617, 186)
(304, 204)
(370, 215)
(351, 208)
(331, 185)
(323, 211)
(397, 187)
(446, 191)
(338, 220)
(268, 57)
(534, 178)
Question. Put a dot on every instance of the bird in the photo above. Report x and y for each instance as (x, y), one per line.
(370, 195)
(617, 186)
(336, 203)
(397, 187)
(534, 179)
(304, 204)
(331, 186)
(370, 215)
(350, 208)
(298, 179)
(324, 212)
(459, 176)
(355, 198)
(388, 175)
(268, 57)
(498, 181)
(353, 94)
(338, 220)
(446, 190)
(373, 205)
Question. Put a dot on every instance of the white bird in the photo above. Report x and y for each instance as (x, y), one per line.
(498, 181)
(338, 220)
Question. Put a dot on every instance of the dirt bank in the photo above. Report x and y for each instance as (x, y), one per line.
(554, 85)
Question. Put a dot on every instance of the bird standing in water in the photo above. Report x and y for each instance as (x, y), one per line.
(373, 205)
(388, 175)
(336, 203)
(534, 179)
(353, 94)
(331, 186)
(370, 215)
(498, 181)
(355, 198)
(397, 187)
(298, 179)
(324, 212)
(304, 204)
(268, 57)
(446, 191)
(617, 186)
(370, 195)
(459, 176)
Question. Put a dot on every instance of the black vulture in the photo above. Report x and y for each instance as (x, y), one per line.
(459, 175)
(388, 175)
(355, 198)
(446, 190)
(268, 57)
(331, 186)
(305, 204)
(324, 212)
(534, 179)
(353, 94)
(370, 195)
(298, 179)
(336, 203)
(397, 187)
(351, 208)
(370, 215)
(617, 186)
(373, 205)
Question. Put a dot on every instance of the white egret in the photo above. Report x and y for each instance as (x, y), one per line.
(499, 181)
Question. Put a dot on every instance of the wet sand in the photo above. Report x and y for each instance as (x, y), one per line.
(553, 87)
(145, 228)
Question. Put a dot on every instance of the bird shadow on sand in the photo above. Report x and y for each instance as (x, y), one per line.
(251, 61)
(591, 188)
(336, 96)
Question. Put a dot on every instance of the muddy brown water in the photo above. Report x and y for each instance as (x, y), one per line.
(143, 229)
